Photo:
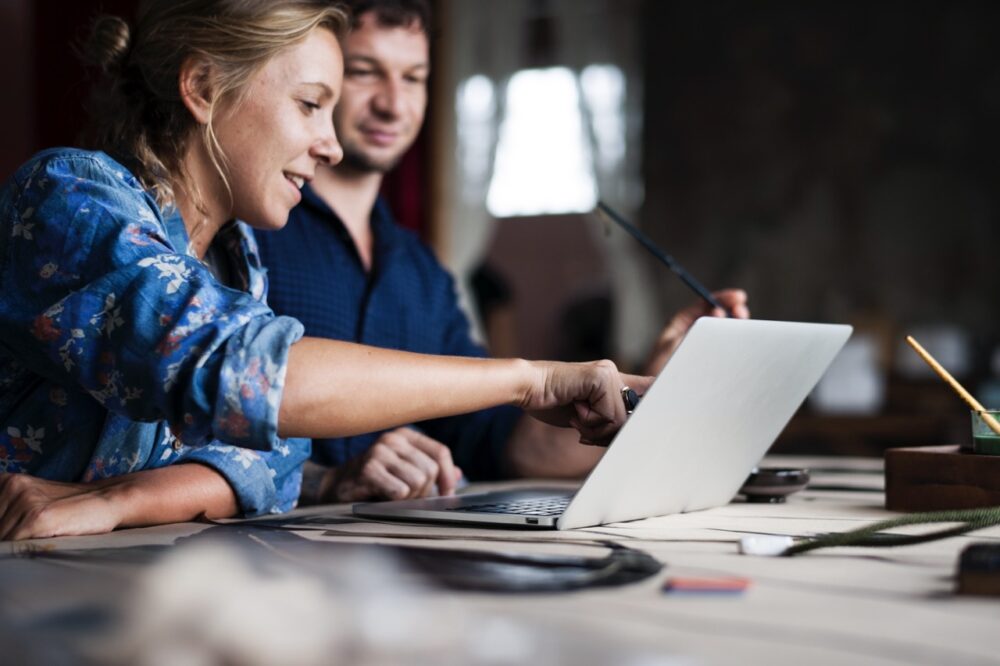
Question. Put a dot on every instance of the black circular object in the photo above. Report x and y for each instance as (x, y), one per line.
(773, 484)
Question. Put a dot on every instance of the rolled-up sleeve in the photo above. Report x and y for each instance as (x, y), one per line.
(106, 302)
(264, 482)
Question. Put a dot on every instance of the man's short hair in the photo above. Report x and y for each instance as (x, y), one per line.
(393, 13)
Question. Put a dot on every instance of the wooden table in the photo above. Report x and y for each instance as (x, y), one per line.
(133, 596)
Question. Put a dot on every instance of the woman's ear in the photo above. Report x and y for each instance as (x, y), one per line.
(195, 88)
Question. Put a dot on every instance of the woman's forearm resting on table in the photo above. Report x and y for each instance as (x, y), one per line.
(175, 494)
(31, 507)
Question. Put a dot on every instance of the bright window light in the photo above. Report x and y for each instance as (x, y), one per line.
(604, 92)
(475, 109)
(543, 160)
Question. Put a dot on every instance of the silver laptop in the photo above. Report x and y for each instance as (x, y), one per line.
(712, 413)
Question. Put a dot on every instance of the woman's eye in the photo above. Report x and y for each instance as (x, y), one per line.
(309, 106)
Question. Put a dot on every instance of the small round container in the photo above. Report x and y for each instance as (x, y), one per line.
(984, 440)
(773, 484)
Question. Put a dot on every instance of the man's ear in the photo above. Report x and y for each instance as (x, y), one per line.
(194, 84)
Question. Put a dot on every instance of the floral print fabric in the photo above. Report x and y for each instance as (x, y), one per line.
(119, 351)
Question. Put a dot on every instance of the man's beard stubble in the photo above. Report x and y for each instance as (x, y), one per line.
(357, 161)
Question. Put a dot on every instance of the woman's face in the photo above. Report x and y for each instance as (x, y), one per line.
(274, 140)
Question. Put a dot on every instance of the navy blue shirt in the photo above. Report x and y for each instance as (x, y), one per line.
(407, 301)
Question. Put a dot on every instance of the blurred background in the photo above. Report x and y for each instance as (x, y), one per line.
(837, 160)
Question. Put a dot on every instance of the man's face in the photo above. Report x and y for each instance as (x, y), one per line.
(384, 95)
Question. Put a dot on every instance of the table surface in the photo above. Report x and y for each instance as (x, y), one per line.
(120, 596)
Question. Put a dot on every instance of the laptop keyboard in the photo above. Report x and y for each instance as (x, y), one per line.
(543, 506)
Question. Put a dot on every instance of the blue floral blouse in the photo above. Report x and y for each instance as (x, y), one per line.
(119, 350)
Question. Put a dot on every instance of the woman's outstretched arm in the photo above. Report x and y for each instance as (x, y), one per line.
(331, 388)
(337, 388)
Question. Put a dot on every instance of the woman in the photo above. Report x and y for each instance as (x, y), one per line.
(134, 336)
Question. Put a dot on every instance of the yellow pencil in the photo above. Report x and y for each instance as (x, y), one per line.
(958, 388)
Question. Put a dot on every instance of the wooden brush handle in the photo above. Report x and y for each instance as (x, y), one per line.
(958, 388)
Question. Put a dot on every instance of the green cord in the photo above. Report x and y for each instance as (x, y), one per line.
(870, 535)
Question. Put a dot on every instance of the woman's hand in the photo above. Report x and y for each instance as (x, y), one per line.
(585, 396)
(32, 508)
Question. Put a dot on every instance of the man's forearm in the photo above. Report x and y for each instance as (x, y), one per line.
(538, 450)
(316, 480)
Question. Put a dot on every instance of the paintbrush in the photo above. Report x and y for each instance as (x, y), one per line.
(671, 263)
(953, 383)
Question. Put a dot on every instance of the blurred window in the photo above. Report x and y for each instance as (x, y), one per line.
(476, 112)
(556, 129)
(604, 94)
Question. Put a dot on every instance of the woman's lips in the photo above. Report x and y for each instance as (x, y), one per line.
(295, 183)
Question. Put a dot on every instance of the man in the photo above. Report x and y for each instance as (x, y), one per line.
(347, 271)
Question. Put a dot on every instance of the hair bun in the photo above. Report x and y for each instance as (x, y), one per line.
(108, 43)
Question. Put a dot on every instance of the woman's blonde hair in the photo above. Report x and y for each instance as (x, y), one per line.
(138, 116)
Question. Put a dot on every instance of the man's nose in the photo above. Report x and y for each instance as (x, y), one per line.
(388, 100)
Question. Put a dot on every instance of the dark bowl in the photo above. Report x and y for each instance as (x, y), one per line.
(773, 484)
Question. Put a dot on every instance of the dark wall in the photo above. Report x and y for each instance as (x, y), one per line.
(837, 158)
(45, 86)
(17, 113)
(60, 83)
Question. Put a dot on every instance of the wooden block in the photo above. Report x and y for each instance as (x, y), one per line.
(979, 570)
(938, 478)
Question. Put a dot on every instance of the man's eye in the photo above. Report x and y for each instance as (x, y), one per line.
(360, 72)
